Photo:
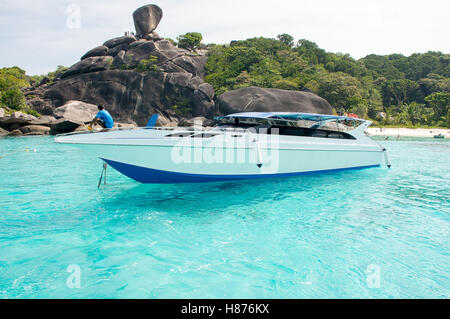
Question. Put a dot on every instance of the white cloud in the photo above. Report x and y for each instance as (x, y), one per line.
(36, 38)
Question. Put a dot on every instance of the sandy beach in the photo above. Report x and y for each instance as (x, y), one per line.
(407, 132)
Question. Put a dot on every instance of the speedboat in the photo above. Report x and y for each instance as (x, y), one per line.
(241, 146)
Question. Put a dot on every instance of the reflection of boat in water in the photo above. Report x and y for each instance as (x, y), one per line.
(440, 135)
(242, 146)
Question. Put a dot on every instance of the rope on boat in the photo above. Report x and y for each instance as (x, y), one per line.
(258, 150)
(386, 158)
(105, 166)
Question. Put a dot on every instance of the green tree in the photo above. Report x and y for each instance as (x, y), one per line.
(286, 39)
(190, 41)
(399, 92)
(440, 103)
(13, 98)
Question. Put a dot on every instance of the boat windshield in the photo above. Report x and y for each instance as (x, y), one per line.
(297, 120)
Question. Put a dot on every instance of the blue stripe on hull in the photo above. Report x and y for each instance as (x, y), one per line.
(149, 175)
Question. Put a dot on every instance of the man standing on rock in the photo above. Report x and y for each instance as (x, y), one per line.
(103, 118)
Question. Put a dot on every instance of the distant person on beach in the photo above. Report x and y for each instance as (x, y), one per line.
(103, 118)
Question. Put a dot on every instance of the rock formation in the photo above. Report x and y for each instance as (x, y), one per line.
(256, 99)
(134, 77)
(146, 19)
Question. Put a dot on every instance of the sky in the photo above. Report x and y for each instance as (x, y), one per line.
(39, 35)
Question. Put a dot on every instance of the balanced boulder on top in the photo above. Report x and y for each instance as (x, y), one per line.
(146, 19)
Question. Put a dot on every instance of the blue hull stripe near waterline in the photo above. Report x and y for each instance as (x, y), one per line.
(149, 175)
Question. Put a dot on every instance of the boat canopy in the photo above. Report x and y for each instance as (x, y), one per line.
(298, 120)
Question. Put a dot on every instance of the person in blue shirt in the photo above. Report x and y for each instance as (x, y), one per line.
(103, 118)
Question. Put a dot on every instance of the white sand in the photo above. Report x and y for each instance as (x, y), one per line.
(407, 132)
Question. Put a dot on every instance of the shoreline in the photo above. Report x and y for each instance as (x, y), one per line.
(407, 132)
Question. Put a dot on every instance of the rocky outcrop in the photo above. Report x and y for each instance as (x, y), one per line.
(146, 19)
(132, 96)
(134, 77)
(255, 99)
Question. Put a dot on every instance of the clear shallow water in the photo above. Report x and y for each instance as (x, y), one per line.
(303, 237)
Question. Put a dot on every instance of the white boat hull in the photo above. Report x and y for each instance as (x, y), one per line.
(148, 156)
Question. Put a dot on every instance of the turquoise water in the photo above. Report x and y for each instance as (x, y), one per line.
(305, 237)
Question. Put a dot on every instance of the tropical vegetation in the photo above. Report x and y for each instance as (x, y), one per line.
(391, 90)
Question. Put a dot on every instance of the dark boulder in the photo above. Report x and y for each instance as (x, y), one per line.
(42, 106)
(207, 89)
(64, 126)
(114, 51)
(146, 19)
(126, 39)
(92, 64)
(98, 51)
(194, 64)
(255, 99)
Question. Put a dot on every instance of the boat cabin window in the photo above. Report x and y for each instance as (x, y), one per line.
(204, 135)
(312, 132)
(179, 134)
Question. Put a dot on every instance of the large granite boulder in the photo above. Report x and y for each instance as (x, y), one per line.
(146, 19)
(35, 130)
(256, 99)
(64, 126)
(44, 107)
(92, 64)
(76, 111)
(97, 51)
(127, 39)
